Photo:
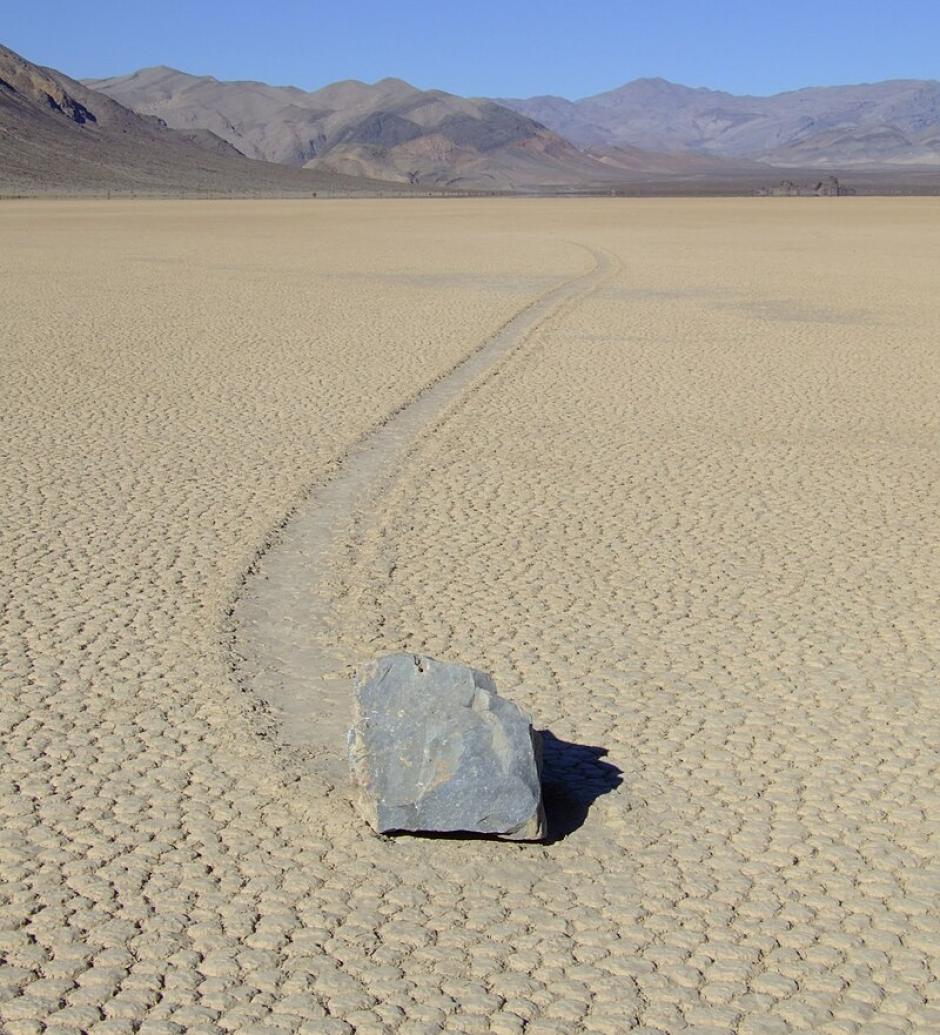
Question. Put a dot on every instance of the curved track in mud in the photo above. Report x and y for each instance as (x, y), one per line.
(281, 620)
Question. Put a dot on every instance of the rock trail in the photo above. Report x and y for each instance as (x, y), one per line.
(282, 621)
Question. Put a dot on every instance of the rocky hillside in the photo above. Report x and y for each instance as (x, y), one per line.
(57, 135)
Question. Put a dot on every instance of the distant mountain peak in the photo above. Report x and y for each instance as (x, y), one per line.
(395, 81)
(164, 70)
(657, 82)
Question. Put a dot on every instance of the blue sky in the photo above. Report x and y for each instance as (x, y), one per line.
(503, 48)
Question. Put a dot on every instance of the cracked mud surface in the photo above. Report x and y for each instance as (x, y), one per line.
(676, 522)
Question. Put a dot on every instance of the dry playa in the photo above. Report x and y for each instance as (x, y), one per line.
(687, 518)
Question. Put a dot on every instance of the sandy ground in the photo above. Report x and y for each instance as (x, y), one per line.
(691, 521)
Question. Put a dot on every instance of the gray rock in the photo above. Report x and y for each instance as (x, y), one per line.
(434, 748)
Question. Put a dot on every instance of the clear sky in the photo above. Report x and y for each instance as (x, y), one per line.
(507, 48)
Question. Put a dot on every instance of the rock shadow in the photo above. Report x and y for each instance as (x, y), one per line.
(574, 776)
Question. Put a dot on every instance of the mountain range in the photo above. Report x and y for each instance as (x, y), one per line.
(883, 124)
(649, 127)
(160, 130)
(389, 130)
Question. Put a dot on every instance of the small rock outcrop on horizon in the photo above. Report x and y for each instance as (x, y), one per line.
(435, 749)
(826, 188)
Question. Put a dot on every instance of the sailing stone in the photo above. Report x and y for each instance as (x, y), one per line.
(434, 748)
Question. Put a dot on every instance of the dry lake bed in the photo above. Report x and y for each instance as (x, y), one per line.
(677, 487)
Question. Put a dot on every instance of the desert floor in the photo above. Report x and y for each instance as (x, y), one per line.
(689, 519)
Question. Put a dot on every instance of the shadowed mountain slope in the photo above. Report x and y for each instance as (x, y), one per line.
(57, 135)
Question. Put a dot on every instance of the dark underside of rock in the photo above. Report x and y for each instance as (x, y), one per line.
(435, 749)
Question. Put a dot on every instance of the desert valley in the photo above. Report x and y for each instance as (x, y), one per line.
(665, 467)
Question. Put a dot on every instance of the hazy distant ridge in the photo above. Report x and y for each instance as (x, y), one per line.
(890, 123)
